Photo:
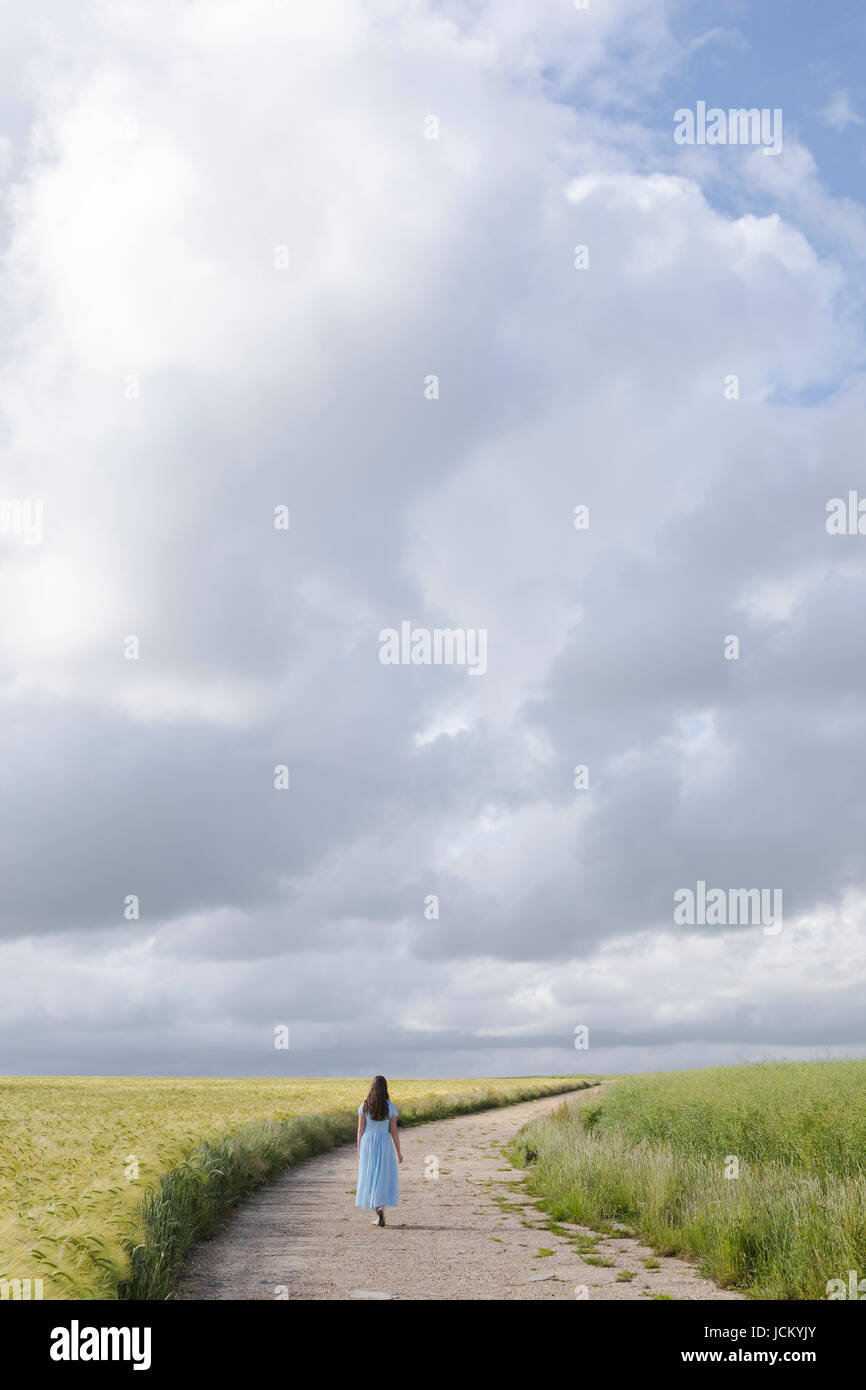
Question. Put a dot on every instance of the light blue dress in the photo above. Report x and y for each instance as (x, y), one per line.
(378, 1182)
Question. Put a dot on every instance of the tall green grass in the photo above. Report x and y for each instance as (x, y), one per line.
(193, 1196)
(653, 1152)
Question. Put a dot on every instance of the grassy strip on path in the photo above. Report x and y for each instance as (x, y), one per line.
(753, 1172)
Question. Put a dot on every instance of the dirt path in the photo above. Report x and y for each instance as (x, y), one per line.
(463, 1235)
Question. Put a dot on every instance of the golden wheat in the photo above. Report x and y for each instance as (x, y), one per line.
(77, 1154)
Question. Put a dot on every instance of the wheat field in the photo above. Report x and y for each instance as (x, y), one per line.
(78, 1154)
(757, 1172)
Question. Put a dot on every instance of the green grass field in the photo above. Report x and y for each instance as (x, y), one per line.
(106, 1181)
(653, 1152)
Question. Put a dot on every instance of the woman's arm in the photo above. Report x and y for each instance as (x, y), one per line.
(395, 1136)
(362, 1125)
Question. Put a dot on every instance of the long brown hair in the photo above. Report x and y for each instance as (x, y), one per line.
(376, 1104)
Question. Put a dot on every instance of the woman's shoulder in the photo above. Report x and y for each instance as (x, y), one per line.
(392, 1109)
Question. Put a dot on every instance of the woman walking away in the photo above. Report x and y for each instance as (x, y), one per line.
(378, 1180)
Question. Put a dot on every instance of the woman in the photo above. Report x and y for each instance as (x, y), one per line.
(378, 1152)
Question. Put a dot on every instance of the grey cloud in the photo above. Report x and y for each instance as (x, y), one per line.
(260, 647)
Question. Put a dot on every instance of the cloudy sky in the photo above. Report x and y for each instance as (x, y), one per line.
(240, 239)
